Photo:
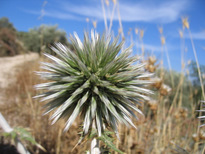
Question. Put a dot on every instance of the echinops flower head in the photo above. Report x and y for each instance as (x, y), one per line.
(98, 80)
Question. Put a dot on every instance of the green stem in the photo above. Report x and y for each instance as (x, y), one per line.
(95, 149)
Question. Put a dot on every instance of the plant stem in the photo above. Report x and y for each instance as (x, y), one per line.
(111, 19)
(5, 126)
(197, 63)
(104, 15)
(119, 19)
(94, 144)
(169, 64)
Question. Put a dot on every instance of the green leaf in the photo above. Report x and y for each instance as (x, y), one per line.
(76, 111)
(108, 141)
(69, 101)
(99, 123)
(93, 107)
(87, 121)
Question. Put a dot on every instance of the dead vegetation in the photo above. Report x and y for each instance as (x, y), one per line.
(165, 128)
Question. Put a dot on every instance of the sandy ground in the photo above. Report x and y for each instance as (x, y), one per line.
(8, 68)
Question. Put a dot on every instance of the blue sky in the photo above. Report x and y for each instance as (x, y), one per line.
(148, 15)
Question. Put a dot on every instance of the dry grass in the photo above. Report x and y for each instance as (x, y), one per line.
(24, 111)
(165, 128)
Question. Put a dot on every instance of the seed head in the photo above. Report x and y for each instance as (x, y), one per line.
(165, 90)
(161, 30)
(141, 33)
(107, 2)
(94, 24)
(114, 2)
(162, 40)
(152, 60)
(120, 30)
(185, 23)
(136, 31)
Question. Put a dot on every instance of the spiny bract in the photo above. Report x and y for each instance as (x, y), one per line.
(98, 79)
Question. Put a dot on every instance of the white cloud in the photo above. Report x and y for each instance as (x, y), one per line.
(53, 14)
(200, 35)
(197, 35)
(166, 11)
(152, 48)
(60, 15)
(147, 47)
(146, 11)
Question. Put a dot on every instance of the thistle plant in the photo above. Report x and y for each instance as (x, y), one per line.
(98, 80)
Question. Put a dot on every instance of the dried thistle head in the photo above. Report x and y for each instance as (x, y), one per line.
(162, 40)
(161, 30)
(150, 64)
(150, 68)
(185, 23)
(157, 82)
(141, 33)
(198, 136)
(195, 137)
(202, 135)
(151, 131)
(107, 2)
(153, 104)
(114, 2)
(120, 30)
(99, 81)
(94, 24)
(183, 112)
(156, 129)
(136, 31)
(165, 90)
(177, 115)
(152, 60)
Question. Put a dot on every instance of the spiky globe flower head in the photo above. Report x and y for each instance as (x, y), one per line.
(98, 80)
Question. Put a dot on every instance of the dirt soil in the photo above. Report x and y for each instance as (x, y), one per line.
(8, 68)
